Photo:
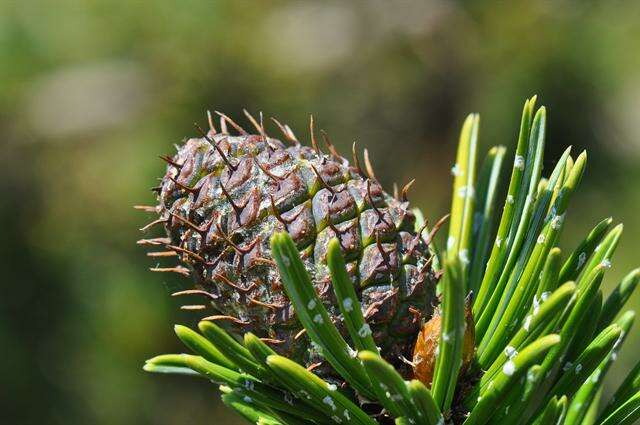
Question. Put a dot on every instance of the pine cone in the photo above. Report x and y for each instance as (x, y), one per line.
(224, 195)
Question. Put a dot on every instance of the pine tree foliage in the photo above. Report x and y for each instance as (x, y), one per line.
(545, 334)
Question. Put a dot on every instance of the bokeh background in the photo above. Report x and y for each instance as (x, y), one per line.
(91, 92)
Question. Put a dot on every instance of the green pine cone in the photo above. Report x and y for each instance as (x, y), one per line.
(222, 198)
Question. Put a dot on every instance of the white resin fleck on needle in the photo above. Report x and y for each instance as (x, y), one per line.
(456, 170)
(527, 323)
(347, 303)
(582, 258)
(364, 331)
(329, 402)
(509, 368)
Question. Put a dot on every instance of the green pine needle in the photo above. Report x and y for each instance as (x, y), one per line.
(449, 359)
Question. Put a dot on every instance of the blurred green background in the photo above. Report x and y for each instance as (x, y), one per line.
(92, 92)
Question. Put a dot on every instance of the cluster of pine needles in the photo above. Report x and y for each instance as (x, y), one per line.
(545, 335)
